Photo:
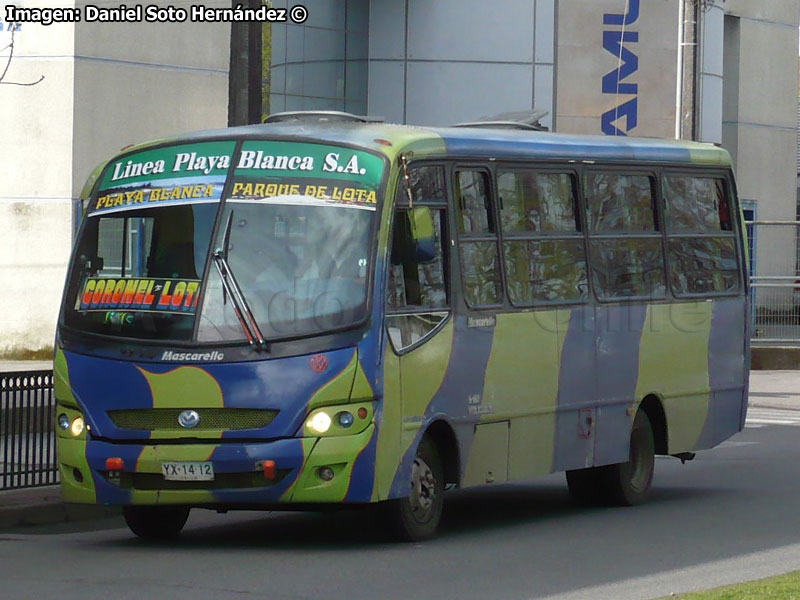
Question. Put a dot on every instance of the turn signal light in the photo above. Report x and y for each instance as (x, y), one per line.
(269, 469)
(115, 464)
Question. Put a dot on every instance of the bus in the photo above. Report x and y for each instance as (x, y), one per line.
(324, 311)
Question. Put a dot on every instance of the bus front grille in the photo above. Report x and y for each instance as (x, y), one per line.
(211, 419)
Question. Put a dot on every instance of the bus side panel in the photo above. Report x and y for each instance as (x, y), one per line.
(521, 386)
(727, 372)
(619, 333)
(577, 392)
(673, 365)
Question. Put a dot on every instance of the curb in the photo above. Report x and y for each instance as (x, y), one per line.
(44, 506)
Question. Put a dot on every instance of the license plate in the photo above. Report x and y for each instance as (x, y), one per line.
(188, 471)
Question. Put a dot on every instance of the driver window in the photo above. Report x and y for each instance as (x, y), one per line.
(417, 295)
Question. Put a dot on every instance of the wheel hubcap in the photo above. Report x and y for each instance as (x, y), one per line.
(423, 489)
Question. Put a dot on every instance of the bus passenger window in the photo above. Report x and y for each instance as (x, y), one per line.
(480, 264)
(628, 267)
(537, 202)
(544, 251)
(618, 203)
(701, 249)
(696, 205)
(474, 210)
(625, 246)
(417, 299)
(480, 272)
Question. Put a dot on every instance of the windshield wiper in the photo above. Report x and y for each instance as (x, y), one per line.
(240, 306)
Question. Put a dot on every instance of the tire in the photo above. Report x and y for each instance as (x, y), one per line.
(628, 483)
(156, 522)
(416, 517)
(622, 484)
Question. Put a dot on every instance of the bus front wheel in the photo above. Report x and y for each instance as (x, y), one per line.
(416, 517)
(155, 522)
(625, 483)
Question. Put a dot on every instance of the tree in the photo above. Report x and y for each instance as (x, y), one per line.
(4, 73)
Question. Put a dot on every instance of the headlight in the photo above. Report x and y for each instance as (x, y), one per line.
(339, 420)
(77, 426)
(319, 423)
(70, 423)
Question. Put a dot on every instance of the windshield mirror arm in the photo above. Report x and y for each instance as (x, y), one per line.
(407, 180)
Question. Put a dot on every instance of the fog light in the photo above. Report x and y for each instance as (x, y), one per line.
(325, 473)
(77, 426)
(76, 473)
(63, 421)
(320, 423)
(345, 419)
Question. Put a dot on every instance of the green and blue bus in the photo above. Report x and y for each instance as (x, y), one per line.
(329, 312)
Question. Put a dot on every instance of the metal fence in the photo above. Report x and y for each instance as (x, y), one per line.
(27, 438)
(775, 281)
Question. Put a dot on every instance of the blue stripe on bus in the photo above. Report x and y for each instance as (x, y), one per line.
(561, 146)
(726, 372)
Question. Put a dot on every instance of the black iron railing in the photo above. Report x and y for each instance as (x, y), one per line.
(27, 438)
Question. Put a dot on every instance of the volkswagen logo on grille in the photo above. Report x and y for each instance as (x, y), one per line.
(189, 419)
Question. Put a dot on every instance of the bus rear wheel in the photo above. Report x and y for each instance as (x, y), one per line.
(155, 522)
(417, 516)
(623, 484)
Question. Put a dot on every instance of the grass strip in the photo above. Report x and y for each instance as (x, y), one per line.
(782, 587)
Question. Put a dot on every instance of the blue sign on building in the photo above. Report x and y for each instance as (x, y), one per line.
(617, 40)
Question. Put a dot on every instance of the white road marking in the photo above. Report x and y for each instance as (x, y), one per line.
(760, 417)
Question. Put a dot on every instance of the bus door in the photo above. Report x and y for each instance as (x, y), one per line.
(418, 312)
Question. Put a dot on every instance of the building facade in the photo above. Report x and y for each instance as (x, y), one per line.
(72, 95)
(718, 71)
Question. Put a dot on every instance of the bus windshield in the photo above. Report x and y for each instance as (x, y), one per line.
(301, 266)
(294, 240)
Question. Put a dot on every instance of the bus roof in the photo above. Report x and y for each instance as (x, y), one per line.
(467, 142)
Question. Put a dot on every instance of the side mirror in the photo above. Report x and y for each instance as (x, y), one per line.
(423, 237)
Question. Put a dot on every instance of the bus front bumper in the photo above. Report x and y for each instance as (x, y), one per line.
(301, 474)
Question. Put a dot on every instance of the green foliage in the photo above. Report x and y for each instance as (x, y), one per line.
(783, 587)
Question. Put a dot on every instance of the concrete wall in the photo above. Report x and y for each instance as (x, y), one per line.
(141, 81)
(759, 125)
(36, 186)
(105, 86)
(440, 62)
